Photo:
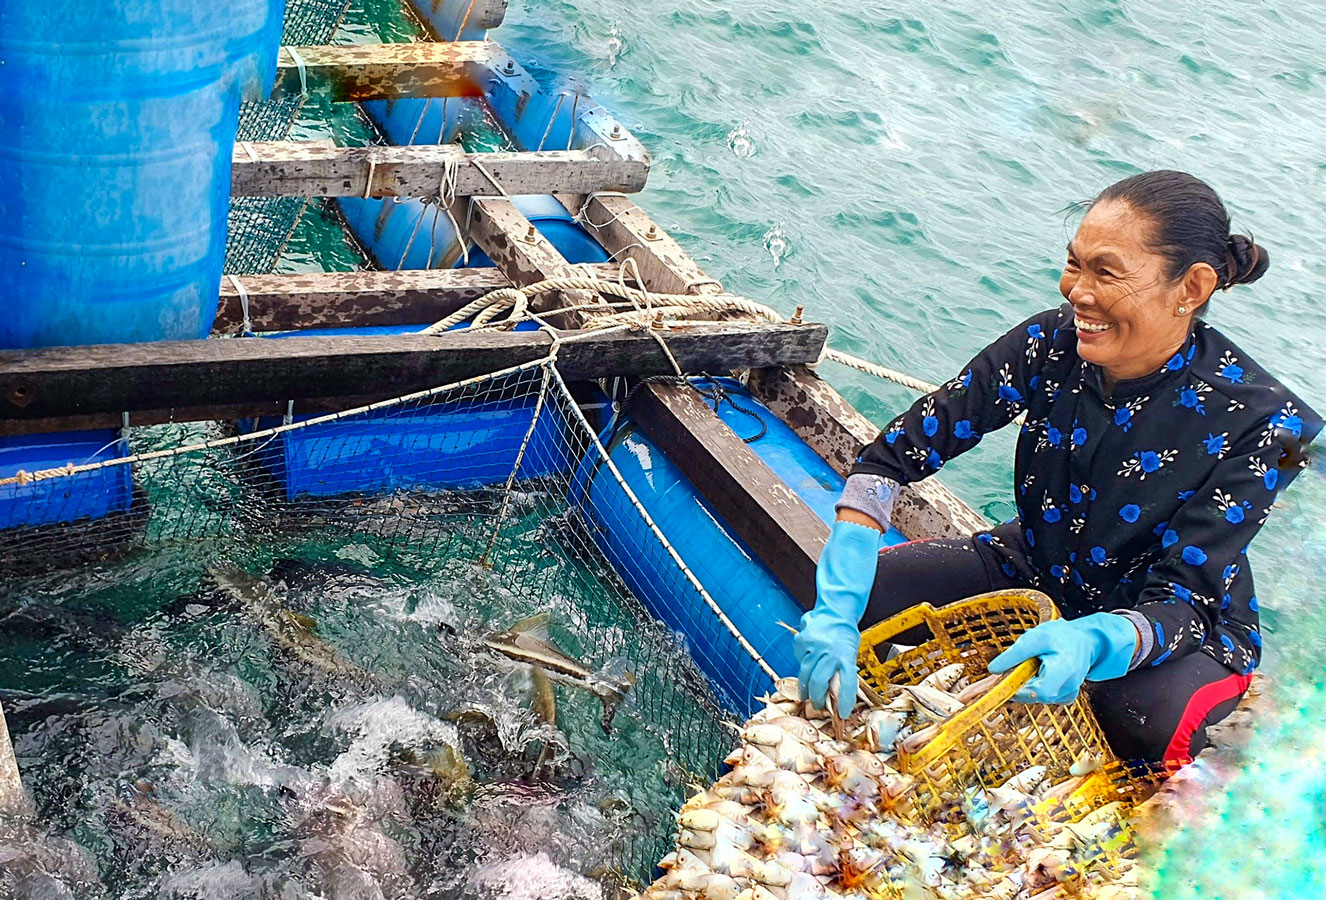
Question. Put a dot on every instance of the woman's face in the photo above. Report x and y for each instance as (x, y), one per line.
(1125, 304)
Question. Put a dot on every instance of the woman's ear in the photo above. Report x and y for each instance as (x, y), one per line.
(1199, 283)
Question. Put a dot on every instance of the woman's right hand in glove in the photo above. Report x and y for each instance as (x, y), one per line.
(829, 638)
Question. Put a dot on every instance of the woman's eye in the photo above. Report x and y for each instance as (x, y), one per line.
(1071, 264)
(1106, 273)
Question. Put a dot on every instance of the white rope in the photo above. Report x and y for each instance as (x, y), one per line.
(658, 534)
(557, 107)
(246, 326)
(368, 181)
(248, 150)
(861, 365)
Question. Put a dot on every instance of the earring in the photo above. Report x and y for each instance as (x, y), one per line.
(1182, 310)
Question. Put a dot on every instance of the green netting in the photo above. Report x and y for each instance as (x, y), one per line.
(260, 226)
(471, 502)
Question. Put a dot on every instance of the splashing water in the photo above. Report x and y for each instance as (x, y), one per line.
(739, 141)
(615, 44)
(777, 244)
(162, 729)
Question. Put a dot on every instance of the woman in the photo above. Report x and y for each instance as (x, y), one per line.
(1152, 452)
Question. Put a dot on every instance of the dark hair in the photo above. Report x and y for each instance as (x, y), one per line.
(1191, 225)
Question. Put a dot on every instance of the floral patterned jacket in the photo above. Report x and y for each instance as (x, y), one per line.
(1140, 501)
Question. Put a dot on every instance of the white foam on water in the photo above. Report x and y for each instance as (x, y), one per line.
(376, 726)
(534, 877)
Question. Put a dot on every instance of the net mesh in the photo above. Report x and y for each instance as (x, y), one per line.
(260, 226)
(502, 471)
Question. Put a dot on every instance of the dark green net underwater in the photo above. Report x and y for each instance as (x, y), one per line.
(433, 494)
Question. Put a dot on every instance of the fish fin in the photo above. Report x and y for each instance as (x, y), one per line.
(304, 621)
(788, 627)
(535, 626)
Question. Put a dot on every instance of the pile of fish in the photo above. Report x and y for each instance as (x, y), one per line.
(815, 807)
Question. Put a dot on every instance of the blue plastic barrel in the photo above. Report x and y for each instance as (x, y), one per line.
(743, 588)
(117, 124)
(85, 495)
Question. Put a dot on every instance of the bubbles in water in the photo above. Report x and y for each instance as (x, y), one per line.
(776, 242)
(739, 141)
(615, 43)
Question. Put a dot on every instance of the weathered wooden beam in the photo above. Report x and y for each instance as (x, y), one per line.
(321, 169)
(71, 381)
(385, 71)
(357, 299)
(627, 231)
(755, 503)
(522, 254)
(13, 798)
(836, 431)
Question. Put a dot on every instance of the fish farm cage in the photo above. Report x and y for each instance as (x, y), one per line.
(504, 471)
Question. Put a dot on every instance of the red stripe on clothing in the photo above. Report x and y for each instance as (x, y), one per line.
(906, 544)
(1203, 700)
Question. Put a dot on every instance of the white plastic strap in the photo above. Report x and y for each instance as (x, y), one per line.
(303, 72)
(246, 324)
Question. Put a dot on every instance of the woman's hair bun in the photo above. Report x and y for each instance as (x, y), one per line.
(1247, 261)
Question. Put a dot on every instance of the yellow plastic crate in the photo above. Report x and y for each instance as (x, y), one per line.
(993, 738)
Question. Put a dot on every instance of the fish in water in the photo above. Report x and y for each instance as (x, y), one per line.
(528, 642)
(345, 854)
(138, 809)
(292, 631)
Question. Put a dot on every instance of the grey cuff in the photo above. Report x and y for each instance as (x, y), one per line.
(869, 494)
(1146, 639)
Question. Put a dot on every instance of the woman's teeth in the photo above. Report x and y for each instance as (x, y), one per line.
(1089, 327)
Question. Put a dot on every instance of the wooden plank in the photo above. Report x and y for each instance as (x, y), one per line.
(13, 798)
(386, 71)
(208, 413)
(625, 231)
(836, 431)
(755, 503)
(321, 169)
(357, 299)
(524, 255)
(70, 381)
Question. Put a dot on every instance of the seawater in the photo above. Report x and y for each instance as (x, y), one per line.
(912, 163)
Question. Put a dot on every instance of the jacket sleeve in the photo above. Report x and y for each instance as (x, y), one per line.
(991, 391)
(1185, 599)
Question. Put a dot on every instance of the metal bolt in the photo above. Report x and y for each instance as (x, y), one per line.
(652, 234)
(531, 236)
(616, 133)
(657, 324)
(796, 316)
(510, 66)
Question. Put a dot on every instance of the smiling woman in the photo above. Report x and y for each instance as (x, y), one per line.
(1152, 453)
(1146, 259)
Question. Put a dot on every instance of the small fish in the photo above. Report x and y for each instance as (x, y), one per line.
(139, 807)
(292, 631)
(1085, 764)
(977, 689)
(528, 642)
(881, 729)
(944, 679)
(1026, 781)
(936, 704)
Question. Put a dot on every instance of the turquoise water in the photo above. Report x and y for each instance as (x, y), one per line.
(910, 164)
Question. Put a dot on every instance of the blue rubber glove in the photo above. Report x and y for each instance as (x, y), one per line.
(1097, 647)
(829, 638)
